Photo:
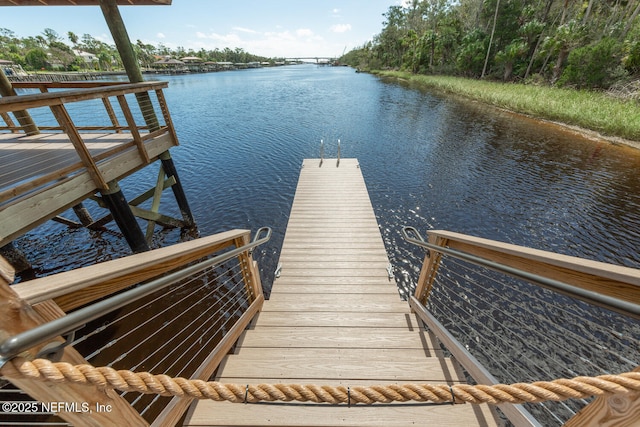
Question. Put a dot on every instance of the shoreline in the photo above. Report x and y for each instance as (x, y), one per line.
(584, 132)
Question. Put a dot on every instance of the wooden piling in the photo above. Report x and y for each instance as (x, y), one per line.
(127, 54)
(124, 218)
(171, 171)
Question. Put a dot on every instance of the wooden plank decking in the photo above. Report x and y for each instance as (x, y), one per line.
(335, 317)
(26, 159)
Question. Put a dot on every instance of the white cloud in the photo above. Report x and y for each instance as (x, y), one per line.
(161, 36)
(341, 28)
(304, 32)
(228, 40)
(244, 30)
(301, 42)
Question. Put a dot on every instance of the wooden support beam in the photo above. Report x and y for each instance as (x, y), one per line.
(121, 38)
(62, 116)
(124, 218)
(17, 316)
(155, 204)
(112, 114)
(10, 124)
(152, 216)
(178, 191)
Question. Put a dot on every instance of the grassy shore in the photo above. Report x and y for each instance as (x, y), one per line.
(593, 111)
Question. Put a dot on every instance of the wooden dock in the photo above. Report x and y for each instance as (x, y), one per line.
(335, 317)
(90, 136)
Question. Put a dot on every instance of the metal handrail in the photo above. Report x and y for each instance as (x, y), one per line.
(13, 346)
(595, 298)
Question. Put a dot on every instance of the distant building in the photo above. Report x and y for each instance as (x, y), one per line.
(88, 58)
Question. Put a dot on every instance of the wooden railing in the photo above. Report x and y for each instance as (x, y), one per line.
(58, 102)
(91, 134)
(615, 281)
(26, 305)
(614, 287)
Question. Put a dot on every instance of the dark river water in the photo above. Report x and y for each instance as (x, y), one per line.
(429, 161)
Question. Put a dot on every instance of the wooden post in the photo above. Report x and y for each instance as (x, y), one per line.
(245, 261)
(132, 67)
(171, 171)
(17, 316)
(124, 218)
(15, 257)
(23, 116)
(617, 409)
(83, 214)
(128, 57)
(429, 270)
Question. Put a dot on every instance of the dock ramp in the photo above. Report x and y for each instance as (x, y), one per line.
(335, 317)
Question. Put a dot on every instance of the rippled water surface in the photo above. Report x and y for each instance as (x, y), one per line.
(429, 161)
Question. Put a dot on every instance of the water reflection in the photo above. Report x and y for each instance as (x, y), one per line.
(429, 161)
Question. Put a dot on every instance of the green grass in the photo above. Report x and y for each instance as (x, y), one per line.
(586, 109)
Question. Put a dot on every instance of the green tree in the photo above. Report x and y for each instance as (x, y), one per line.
(471, 55)
(73, 38)
(567, 37)
(36, 59)
(510, 55)
(597, 65)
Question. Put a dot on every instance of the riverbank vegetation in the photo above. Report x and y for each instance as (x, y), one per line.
(49, 51)
(567, 61)
(588, 44)
(591, 110)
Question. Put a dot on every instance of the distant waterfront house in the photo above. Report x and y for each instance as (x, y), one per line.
(194, 64)
(170, 65)
(89, 59)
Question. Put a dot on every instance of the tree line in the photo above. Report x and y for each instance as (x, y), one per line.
(582, 44)
(49, 51)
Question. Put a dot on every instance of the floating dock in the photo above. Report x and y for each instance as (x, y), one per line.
(335, 317)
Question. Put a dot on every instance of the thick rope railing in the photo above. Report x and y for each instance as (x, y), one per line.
(144, 382)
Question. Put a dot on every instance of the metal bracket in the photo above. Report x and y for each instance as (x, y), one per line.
(53, 350)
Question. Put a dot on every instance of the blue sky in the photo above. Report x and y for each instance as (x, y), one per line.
(271, 28)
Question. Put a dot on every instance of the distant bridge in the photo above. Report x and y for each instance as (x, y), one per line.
(313, 59)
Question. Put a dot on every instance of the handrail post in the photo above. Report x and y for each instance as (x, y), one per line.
(429, 270)
(250, 272)
(430, 264)
(23, 116)
(16, 316)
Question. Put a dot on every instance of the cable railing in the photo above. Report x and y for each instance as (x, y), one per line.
(175, 311)
(511, 314)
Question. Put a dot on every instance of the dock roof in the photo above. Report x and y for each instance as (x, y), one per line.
(81, 2)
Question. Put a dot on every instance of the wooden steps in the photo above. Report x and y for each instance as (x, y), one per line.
(336, 318)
